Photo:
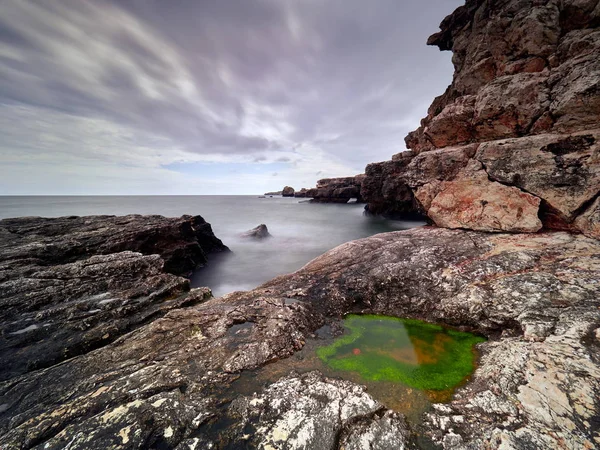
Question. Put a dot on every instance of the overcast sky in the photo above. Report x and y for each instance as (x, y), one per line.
(209, 97)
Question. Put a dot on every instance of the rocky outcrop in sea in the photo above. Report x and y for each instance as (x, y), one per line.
(337, 190)
(513, 144)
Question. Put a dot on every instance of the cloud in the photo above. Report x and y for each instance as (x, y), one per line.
(328, 85)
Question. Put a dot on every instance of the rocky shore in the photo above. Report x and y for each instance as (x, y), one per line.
(73, 284)
(171, 383)
(104, 346)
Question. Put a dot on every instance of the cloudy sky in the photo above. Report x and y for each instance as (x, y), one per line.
(209, 96)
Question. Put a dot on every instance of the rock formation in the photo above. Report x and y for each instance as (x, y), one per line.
(104, 347)
(514, 142)
(301, 193)
(288, 191)
(337, 190)
(273, 193)
(72, 284)
(172, 383)
(260, 232)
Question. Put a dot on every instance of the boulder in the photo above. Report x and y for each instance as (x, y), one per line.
(260, 232)
(288, 191)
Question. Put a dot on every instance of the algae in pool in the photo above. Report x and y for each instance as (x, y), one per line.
(415, 353)
(405, 364)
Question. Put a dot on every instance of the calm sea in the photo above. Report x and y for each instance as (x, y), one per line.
(301, 230)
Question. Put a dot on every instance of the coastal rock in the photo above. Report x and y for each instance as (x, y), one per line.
(273, 193)
(534, 296)
(472, 201)
(301, 193)
(311, 411)
(72, 284)
(258, 233)
(288, 191)
(526, 105)
(337, 190)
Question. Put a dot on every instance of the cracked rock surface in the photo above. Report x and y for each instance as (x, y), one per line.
(172, 382)
(525, 104)
(72, 284)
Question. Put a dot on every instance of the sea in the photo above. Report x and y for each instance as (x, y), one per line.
(300, 230)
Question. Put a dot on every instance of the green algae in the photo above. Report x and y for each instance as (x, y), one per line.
(418, 354)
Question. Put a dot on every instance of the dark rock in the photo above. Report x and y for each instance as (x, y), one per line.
(271, 194)
(73, 284)
(288, 191)
(260, 232)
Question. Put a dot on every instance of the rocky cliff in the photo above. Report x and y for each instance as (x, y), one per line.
(337, 190)
(514, 142)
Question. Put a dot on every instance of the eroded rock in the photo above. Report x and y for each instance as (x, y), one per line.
(536, 297)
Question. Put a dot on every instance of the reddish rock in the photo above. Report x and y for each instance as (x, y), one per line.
(474, 202)
(526, 95)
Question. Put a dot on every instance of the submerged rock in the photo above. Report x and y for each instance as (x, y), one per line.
(260, 232)
(534, 296)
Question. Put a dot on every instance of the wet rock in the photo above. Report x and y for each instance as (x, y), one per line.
(287, 191)
(260, 232)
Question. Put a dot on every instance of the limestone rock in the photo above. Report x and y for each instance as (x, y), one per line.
(564, 171)
(534, 296)
(473, 202)
(164, 384)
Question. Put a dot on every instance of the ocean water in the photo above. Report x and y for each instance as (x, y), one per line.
(300, 230)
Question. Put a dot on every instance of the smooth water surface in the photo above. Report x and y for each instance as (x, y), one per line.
(301, 230)
(405, 364)
(415, 353)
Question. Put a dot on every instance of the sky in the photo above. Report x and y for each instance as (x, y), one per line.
(206, 97)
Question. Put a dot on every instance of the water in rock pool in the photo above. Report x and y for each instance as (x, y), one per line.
(300, 230)
(405, 364)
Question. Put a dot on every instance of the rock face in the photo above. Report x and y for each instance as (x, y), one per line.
(260, 232)
(73, 284)
(168, 383)
(523, 110)
(337, 190)
(288, 191)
